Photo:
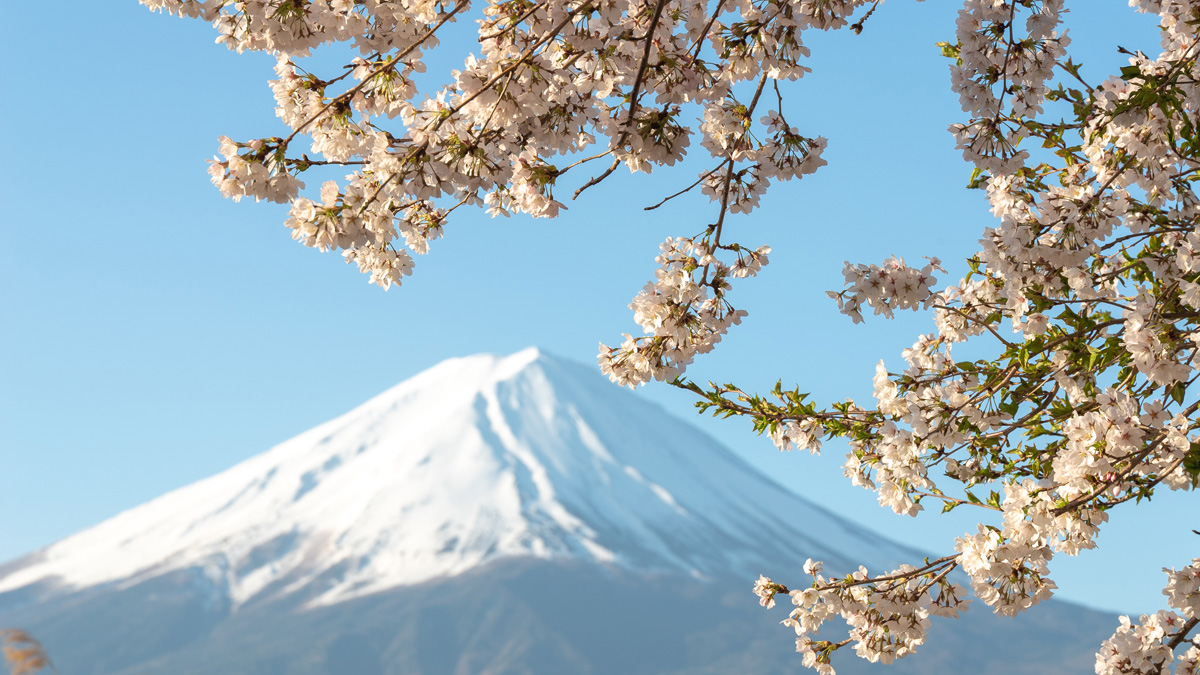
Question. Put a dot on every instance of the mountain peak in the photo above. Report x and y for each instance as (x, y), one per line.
(475, 459)
(499, 365)
(529, 355)
(466, 375)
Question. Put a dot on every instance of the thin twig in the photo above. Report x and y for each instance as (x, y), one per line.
(515, 23)
(607, 172)
(700, 180)
(704, 33)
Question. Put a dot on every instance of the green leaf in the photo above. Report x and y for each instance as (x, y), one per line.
(948, 50)
(994, 499)
(1191, 463)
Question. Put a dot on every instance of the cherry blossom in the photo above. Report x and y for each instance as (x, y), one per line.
(1081, 306)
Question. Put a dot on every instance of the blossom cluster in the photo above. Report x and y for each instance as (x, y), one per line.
(1081, 306)
(886, 288)
(999, 77)
(1144, 649)
(1183, 589)
(551, 79)
(1149, 646)
(887, 616)
(1090, 406)
(683, 312)
(240, 174)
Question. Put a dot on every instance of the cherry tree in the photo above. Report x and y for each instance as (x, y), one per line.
(1084, 296)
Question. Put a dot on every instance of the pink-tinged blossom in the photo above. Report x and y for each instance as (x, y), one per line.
(1080, 304)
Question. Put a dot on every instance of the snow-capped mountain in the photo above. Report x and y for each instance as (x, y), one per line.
(492, 514)
(475, 459)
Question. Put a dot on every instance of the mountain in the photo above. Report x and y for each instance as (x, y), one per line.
(491, 514)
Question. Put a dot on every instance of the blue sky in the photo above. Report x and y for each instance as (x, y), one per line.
(155, 333)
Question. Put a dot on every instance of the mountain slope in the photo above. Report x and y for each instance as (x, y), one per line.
(513, 615)
(475, 459)
(492, 514)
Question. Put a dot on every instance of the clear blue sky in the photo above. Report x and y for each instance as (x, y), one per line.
(154, 333)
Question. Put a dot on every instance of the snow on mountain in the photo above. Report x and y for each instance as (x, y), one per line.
(475, 459)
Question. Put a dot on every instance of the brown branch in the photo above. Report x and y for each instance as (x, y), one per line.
(635, 92)
(899, 575)
(1176, 641)
(724, 203)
